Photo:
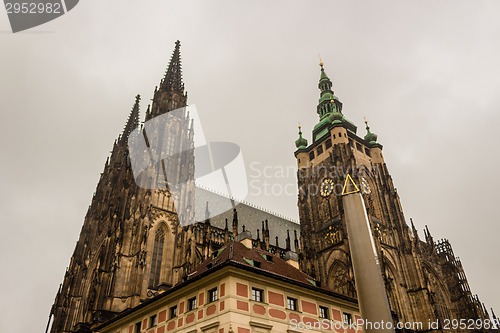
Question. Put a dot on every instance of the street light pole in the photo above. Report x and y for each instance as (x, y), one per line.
(370, 287)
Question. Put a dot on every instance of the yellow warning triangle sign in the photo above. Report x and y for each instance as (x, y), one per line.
(348, 189)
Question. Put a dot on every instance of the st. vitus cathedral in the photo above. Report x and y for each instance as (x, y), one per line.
(132, 245)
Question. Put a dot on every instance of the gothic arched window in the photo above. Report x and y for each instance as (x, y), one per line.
(154, 277)
(170, 142)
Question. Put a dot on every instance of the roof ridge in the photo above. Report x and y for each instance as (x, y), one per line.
(281, 216)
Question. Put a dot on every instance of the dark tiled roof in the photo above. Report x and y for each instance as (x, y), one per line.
(249, 216)
(239, 255)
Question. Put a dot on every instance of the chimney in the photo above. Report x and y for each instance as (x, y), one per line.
(291, 258)
(245, 238)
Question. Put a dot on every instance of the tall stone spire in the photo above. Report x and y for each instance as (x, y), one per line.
(132, 122)
(170, 95)
(173, 75)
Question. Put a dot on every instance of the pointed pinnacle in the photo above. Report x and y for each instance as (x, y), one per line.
(133, 120)
(173, 75)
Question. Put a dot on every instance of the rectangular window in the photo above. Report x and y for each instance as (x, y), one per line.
(328, 144)
(358, 147)
(320, 150)
(311, 155)
(347, 318)
(152, 321)
(212, 295)
(257, 295)
(367, 152)
(192, 303)
(173, 311)
(137, 327)
(291, 303)
(323, 312)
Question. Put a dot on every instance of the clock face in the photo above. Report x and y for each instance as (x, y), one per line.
(326, 187)
(332, 234)
(365, 186)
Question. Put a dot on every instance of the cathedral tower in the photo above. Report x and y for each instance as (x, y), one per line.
(132, 245)
(127, 245)
(424, 281)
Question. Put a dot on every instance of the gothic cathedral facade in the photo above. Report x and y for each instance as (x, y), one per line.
(132, 246)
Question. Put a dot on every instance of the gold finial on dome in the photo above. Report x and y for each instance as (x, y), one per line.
(320, 61)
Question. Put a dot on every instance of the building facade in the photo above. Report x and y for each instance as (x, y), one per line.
(132, 248)
(241, 289)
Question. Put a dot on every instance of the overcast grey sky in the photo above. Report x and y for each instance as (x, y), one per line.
(425, 74)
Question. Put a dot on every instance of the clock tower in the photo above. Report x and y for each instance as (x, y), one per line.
(421, 282)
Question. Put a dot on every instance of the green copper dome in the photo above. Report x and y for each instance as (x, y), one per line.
(327, 96)
(300, 142)
(323, 76)
(323, 121)
(336, 117)
(370, 137)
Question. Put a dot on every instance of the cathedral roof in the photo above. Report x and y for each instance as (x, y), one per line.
(249, 216)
